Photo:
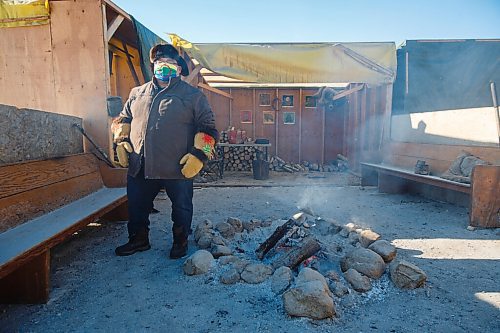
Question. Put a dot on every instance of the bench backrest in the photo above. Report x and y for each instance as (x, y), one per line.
(439, 157)
(31, 189)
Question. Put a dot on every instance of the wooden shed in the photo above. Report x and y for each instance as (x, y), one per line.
(85, 53)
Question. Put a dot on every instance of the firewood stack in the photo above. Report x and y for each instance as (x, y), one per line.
(239, 158)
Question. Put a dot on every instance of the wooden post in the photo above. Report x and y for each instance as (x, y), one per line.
(485, 196)
(29, 284)
(300, 125)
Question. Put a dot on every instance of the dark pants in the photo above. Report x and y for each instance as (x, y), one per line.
(141, 194)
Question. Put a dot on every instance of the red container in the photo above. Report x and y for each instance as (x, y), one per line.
(231, 136)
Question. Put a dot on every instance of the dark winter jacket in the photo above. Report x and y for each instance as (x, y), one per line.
(163, 125)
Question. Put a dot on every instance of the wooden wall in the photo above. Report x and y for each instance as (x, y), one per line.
(353, 129)
(59, 67)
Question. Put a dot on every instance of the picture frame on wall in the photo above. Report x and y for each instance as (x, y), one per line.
(310, 102)
(268, 117)
(287, 101)
(289, 118)
(264, 99)
(246, 117)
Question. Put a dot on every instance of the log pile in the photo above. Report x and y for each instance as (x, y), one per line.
(239, 158)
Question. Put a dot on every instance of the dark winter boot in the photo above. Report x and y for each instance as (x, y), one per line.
(180, 246)
(136, 243)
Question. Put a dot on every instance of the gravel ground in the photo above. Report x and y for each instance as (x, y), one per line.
(95, 291)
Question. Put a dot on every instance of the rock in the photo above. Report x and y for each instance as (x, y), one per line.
(205, 240)
(309, 299)
(218, 240)
(338, 288)
(248, 226)
(220, 250)
(256, 273)
(406, 275)
(198, 263)
(366, 237)
(332, 275)
(227, 260)
(281, 279)
(240, 264)
(235, 223)
(230, 277)
(201, 229)
(358, 281)
(471, 228)
(384, 249)
(307, 275)
(345, 231)
(266, 223)
(365, 261)
(353, 237)
(225, 229)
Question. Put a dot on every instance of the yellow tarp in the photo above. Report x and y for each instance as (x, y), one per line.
(21, 13)
(372, 63)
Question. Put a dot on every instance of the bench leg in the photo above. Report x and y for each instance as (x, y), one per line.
(120, 213)
(391, 184)
(29, 284)
(369, 176)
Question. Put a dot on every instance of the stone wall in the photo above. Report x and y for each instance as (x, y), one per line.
(36, 135)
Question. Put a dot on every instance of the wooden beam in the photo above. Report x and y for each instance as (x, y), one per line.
(113, 27)
(348, 92)
(131, 65)
(214, 90)
(193, 74)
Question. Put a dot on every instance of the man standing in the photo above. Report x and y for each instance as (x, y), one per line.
(168, 130)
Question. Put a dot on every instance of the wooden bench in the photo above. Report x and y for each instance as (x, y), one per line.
(43, 203)
(396, 175)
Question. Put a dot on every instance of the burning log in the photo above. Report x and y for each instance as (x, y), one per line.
(277, 235)
(292, 259)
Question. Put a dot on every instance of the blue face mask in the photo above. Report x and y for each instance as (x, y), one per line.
(164, 71)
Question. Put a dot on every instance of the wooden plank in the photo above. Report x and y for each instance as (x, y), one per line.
(84, 55)
(38, 235)
(131, 65)
(214, 90)
(16, 44)
(408, 174)
(348, 91)
(28, 176)
(28, 284)
(113, 177)
(113, 27)
(193, 74)
(24, 206)
(485, 203)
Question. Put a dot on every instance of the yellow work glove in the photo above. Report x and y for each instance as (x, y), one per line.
(205, 143)
(123, 149)
(121, 131)
(202, 151)
(192, 165)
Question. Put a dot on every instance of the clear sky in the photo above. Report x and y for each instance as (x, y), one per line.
(318, 20)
